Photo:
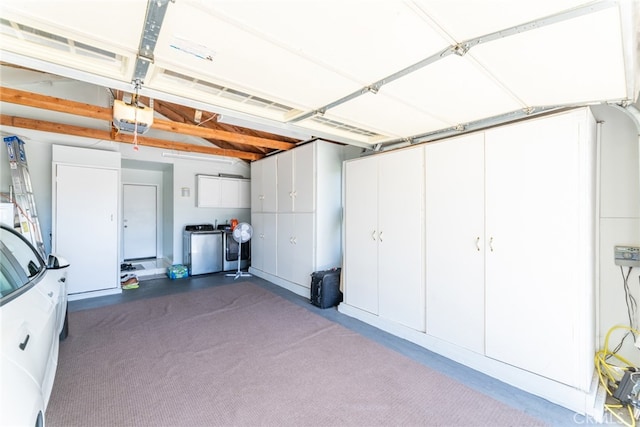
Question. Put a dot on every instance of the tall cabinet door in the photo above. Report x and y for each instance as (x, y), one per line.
(361, 234)
(401, 237)
(86, 232)
(285, 181)
(263, 242)
(455, 243)
(535, 312)
(263, 185)
(304, 173)
(296, 174)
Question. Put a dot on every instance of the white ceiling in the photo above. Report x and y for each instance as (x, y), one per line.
(279, 61)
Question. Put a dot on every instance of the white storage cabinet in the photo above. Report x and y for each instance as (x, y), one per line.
(85, 218)
(384, 236)
(509, 253)
(223, 192)
(307, 212)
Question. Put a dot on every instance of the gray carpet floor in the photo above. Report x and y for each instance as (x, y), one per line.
(540, 411)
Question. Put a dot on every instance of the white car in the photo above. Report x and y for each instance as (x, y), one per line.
(33, 318)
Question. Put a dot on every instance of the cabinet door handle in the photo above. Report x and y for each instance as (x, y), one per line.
(24, 343)
(295, 241)
(373, 234)
(380, 236)
(491, 244)
(478, 243)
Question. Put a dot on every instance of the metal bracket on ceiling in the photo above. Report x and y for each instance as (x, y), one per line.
(374, 88)
(461, 48)
(156, 10)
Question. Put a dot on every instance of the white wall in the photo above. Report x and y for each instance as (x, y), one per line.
(619, 216)
(171, 173)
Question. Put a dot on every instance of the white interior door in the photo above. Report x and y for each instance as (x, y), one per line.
(86, 231)
(139, 203)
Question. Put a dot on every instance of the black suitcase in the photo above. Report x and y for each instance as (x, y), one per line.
(325, 288)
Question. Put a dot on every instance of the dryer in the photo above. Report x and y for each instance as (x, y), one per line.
(230, 252)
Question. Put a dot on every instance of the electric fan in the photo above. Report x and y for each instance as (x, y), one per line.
(242, 234)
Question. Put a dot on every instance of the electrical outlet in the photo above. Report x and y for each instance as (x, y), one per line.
(628, 256)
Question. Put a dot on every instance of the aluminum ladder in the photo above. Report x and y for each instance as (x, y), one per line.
(23, 199)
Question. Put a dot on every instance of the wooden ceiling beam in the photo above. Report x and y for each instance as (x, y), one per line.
(30, 99)
(44, 126)
(36, 100)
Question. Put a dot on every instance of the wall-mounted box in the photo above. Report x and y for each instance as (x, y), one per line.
(628, 256)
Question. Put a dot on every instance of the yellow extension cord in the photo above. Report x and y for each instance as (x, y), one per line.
(611, 373)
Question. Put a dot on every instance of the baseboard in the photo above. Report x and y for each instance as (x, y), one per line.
(93, 294)
(293, 287)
